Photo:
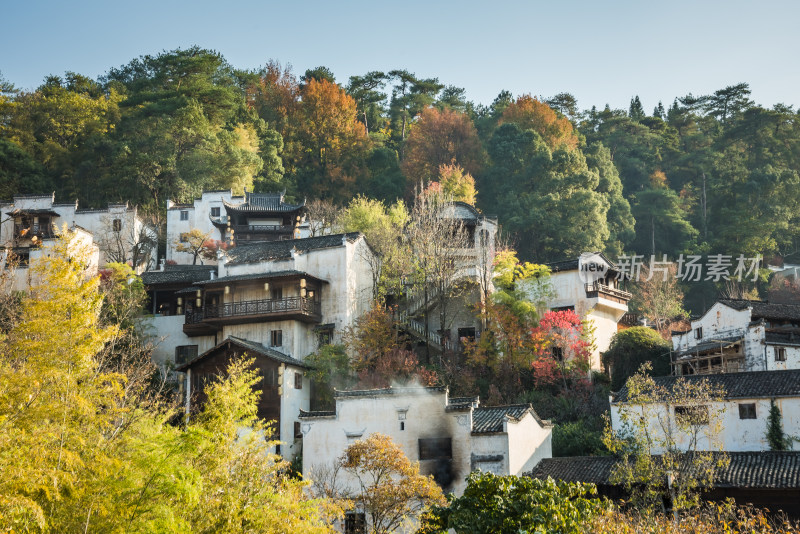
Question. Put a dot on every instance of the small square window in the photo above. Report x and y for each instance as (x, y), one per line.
(298, 381)
(355, 523)
(780, 354)
(276, 338)
(116, 225)
(747, 410)
(184, 215)
(215, 212)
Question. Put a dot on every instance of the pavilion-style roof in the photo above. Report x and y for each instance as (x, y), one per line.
(263, 203)
(248, 347)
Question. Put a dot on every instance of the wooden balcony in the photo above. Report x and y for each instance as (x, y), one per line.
(253, 311)
(598, 290)
(41, 231)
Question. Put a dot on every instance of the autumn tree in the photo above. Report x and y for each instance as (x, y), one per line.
(441, 137)
(530, 114)
(376, 477)
(322, 216)
(457, 184)
(195, 242)
(333, 141)
(658, 296)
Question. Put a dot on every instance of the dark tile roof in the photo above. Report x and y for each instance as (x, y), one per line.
(271, 202)
(777, 337)
(316, 413)
(572, 265)
(765, 310)
(178, 274)
(278, 250)
(248, 347)
(258, 276)
(491, 418)
(756, 469)
(750, 385)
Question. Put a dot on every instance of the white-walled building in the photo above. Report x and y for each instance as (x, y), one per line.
(740, 335)
(449, 437)
(740, 417)
(120, 235)
(225, 217)
(273, 300)
(600, 301)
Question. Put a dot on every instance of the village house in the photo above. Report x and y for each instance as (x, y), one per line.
(596, 298)
(449, 437)
(225, 217)
(739, 335)
(275, 301)
(118, 232)
(737, 422)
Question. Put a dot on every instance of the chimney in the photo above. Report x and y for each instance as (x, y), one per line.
(169, 203)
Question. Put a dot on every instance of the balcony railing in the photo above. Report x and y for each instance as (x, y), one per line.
(265, 228)
(30, 230)
(597, 289)
(297, 306)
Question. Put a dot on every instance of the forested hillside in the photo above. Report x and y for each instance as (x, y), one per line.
(702, 174)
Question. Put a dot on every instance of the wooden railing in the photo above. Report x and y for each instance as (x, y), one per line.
(250, 308)
(277, 228)
(596, 288)
(30, 230)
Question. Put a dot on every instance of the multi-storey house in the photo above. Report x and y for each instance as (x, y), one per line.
(275, 301)
(739, 335)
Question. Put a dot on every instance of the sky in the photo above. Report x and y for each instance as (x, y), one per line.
(603, 52)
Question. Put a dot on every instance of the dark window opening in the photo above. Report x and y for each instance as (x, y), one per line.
(215, 212)
(780, 354)
(276, 338)
(184, 215)
(467, 333)
(116, 224)
(185, 354)
(698, 332)
(402, 425)
(692, 415)
(325, 337)
(298, 381)
(297, 432)
(277, 293)
(747, 410)
(435, 448)
(355, 523)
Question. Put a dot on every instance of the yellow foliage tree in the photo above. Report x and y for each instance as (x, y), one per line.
(530, 114)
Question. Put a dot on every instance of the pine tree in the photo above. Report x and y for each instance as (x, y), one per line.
(775, 436)
(636, 111)
(658, 111)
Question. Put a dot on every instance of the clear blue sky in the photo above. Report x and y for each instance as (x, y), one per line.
(602, 52)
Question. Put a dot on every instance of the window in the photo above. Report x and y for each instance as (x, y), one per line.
(692, 415)
(297, 432)
(276, 338)
(698, 332)
(780, 354)
(435, 448)
(325, 336)
(269, 376)
(277, 293)
(402, 425)
(215, 212)
(467, 333)
(298, 381)
(116, 225)
(185, 353)
(184, 215)
(355, 523)
(747, 410)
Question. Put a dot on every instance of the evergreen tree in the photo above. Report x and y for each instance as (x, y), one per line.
(775, 436)
(636, 111)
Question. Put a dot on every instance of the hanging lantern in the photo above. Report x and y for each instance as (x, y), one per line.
(266, 286)
(302, 282)
(302, 292)
(180, 301)
(198, 293)
(227, 290)
(198, 303)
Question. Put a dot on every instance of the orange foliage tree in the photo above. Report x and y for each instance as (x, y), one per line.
(530, 114)
(441, 137)
(334, 141)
